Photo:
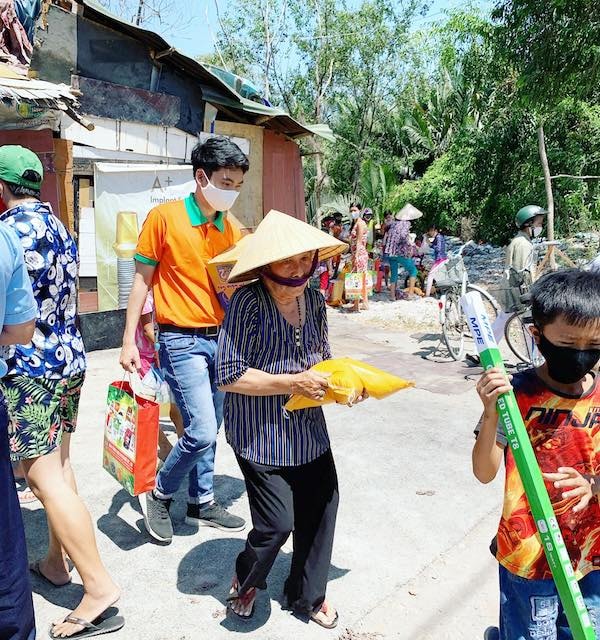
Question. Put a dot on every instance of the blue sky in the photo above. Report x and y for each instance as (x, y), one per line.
(196, 34)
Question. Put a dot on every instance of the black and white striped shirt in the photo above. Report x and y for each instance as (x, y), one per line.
(255, 335)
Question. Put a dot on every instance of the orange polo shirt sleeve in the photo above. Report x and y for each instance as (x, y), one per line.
(152, 239)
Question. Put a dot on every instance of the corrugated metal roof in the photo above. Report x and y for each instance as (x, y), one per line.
(214, 88)
(39, 92)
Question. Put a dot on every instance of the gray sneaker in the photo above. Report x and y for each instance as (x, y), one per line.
(213, 515)
(156, 516)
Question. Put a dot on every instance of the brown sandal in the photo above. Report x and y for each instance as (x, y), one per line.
(248, 598)
(320, 617)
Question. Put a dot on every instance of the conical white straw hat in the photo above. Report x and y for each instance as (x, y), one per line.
(408, 212)
(277, 237)
(232, 254)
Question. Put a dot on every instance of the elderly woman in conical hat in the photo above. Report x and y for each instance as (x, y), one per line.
(399, 248)
(274, 331)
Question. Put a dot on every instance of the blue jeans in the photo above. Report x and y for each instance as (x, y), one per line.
(188, 364)
(531, 609)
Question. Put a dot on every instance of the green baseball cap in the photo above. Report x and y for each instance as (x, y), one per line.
(15, 161)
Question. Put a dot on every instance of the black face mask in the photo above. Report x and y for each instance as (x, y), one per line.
(565, 364)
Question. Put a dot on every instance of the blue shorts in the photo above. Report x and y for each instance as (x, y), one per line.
(405, 263)
(532, 609)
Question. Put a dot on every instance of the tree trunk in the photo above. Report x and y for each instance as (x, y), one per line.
(548, 185)
(138, 18)
(319, 177)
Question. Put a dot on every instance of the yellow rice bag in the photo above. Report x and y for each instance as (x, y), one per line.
(347, 378)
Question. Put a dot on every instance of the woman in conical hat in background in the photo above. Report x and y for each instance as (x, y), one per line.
(274, 331)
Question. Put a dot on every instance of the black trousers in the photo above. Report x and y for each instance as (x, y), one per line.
(302, 500)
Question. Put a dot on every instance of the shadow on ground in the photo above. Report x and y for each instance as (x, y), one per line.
(127, 537)
(207, 570)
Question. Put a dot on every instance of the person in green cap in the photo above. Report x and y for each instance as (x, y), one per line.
(42, 387)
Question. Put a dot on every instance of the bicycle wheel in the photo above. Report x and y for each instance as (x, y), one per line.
(489, 302)
(520, 341)
(454, 326)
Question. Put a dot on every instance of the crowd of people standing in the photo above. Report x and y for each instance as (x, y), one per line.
(238, 367)
(381, 253)
(219, 368)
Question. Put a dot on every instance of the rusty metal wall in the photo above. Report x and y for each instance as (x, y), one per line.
(42, 143)
(283, 178)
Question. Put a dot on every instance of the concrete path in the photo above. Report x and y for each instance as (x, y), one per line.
(410, 558)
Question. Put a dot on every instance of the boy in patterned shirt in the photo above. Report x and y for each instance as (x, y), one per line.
(42, 389)
(560, 404)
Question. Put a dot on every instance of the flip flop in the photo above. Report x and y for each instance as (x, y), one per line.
(23, 489)
(34, 567)
(98, 627)
(233, 595)
(322, 623)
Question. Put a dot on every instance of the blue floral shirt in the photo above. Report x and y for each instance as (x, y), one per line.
(51, 258)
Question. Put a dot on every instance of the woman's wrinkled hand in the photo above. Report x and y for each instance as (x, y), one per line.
(361, 398)
(310, 385)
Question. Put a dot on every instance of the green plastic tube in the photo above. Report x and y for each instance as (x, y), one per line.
(529, 470)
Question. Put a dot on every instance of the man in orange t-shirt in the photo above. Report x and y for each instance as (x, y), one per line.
(176, 241)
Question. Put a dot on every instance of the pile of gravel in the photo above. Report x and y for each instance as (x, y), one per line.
(485, 262)
(406, 315)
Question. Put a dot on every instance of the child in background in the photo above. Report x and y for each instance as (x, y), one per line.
(558, 401)
(437, 242)
(323, 271)
(144, 336)
(145, 341)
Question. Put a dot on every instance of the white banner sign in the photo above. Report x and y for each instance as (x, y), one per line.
(124, 194)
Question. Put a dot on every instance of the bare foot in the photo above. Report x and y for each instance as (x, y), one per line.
(90, 608)
(58, 574)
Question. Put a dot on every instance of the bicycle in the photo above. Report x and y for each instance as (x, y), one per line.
(452, 280)
(516, 299)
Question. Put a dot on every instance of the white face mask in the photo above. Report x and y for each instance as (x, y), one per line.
(537, 231)
(355, 214)
(219, 199)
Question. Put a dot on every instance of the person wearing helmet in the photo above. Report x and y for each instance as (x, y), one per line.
(519, 253)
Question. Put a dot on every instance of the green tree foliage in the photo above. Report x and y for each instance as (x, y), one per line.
(482, 162)
(555, 44)
(446, 116)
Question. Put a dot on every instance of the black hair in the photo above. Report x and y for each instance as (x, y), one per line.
(338, 214)
(573, 294)
(355, 204)
(218, 153)
(18, 190)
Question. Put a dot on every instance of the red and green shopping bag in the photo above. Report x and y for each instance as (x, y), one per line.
(130, 438)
